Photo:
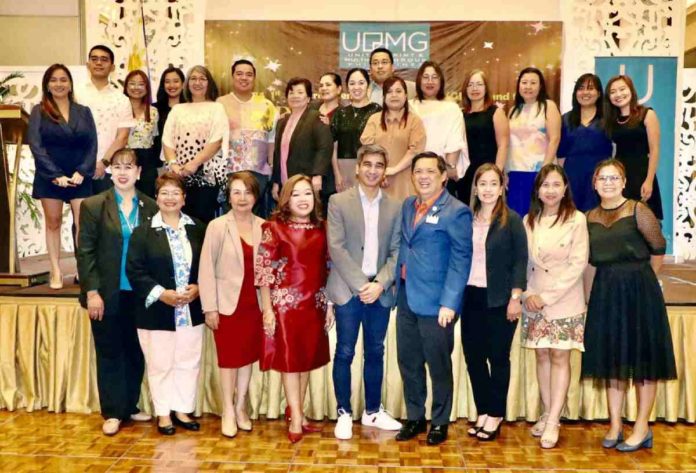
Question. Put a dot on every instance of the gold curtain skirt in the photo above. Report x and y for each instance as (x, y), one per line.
(47, 360)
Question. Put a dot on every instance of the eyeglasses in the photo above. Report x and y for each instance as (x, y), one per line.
(132, 85)
(609, 179)
(383, 62)
(475, 85)
(198, 79)
(171, 194)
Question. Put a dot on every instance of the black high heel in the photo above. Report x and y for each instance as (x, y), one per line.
(474, 432)
(489, 435)
(191, 425)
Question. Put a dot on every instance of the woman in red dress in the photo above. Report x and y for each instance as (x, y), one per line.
(291, 269)
(229, 298)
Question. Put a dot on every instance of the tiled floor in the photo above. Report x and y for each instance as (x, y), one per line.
(49, 442)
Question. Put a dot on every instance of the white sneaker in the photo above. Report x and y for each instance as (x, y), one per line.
(141, 417)
(111, 426)
(344, 426)
(380, 420)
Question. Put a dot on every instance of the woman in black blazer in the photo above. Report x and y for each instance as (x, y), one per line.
(303, 144)
(162, 266)
(107, 221)
(492, 302)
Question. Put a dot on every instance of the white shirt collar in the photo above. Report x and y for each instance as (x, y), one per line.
(364, 198)
(157, 221)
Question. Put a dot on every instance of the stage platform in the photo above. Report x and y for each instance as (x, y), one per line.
(47, 362)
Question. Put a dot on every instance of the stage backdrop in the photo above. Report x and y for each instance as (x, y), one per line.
(655, 79)
(281, 50)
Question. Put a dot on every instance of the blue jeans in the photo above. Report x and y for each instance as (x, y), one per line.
(374, 319)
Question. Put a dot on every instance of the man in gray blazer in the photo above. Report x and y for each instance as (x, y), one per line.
(364, 236)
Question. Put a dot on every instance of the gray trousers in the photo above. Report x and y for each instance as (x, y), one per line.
(422, 340)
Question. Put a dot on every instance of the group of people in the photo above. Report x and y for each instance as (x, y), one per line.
(408, 226)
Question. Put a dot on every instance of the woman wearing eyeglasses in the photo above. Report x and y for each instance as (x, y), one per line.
(142, 136)
(487, 130)
(627, 334)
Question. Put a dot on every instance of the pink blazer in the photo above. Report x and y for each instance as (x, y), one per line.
(221, 269)
(557, 258)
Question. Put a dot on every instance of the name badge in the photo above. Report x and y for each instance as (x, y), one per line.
(432, 219)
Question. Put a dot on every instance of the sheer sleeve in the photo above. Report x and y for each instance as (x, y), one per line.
(649, 227)
(267, 257)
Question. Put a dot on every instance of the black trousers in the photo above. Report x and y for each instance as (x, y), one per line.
(120, 361)
(421, 340)
(486, 338)
(201, 202)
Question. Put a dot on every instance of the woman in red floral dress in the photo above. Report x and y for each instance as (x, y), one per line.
(291, 270)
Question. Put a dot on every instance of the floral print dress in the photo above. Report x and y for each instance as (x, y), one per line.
(292, 261)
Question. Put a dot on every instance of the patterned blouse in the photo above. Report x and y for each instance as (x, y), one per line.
(182, 256)
(142, 135)
(189, 128)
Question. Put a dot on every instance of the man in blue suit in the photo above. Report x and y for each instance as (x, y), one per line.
(432, 271)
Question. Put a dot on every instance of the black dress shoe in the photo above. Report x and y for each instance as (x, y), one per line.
(166, 430)
(410, 429)
(437, 434)
(193, 425)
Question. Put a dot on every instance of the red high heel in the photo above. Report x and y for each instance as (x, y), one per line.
(293, 437)
(311, 428)
(287, 414)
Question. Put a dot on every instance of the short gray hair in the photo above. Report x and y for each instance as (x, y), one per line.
(373, 149)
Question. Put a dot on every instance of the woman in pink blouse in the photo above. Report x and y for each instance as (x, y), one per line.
(401, 132)
(553, 322)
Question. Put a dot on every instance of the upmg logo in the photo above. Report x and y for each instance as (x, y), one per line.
(409, 42)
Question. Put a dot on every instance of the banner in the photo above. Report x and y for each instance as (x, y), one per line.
(655, 79)
(281, 50)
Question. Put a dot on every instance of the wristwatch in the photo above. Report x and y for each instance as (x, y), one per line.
(515, 297)
(451, 166)
(106, 162)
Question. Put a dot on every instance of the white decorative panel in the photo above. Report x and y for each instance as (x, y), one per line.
(172, 33)
(685, 220)
(616, 28)
(30, 232)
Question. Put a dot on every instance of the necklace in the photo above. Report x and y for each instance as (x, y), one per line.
(130, 225)
(624, 121)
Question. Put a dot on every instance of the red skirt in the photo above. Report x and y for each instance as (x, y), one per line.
(239, 336)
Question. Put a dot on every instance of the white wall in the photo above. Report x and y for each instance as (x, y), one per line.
(386, 10)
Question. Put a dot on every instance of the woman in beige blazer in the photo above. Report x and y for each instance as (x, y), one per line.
(553, 319)
(230, 300)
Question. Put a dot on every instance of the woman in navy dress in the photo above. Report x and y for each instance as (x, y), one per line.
(63, 139)
(583, 140)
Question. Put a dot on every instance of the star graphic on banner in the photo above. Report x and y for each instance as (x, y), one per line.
(270, 88)
(538, 26)
(500, 105)
(272, 65)
(277, 82)
(488, 45)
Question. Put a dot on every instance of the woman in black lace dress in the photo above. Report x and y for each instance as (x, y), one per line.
(627, 334)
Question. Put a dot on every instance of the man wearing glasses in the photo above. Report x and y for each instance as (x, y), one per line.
(381, 68)
(111, 110)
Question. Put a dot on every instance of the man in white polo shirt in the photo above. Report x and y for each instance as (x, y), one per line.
(111, 110)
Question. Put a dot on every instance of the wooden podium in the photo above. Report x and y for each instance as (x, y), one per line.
(13, 126)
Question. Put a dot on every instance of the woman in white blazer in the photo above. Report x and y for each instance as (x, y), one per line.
(230, 300)
(553, 319)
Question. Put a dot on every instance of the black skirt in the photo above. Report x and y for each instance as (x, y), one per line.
(627, 334)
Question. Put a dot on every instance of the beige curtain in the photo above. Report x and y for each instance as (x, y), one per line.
(47, 361)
